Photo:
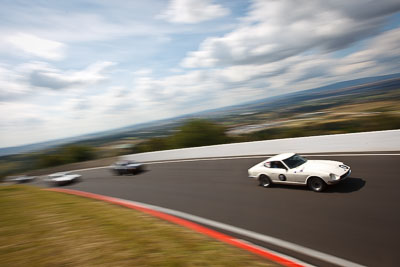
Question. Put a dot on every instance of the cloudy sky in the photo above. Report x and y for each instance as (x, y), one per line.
(80, 66)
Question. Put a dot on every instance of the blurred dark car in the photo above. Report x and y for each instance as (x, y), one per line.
(127, 167)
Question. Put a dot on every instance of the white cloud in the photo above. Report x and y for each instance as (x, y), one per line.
(277, 47)
(143, 72)
(23, 82)
(45, 76)
(202, 89)
(275, 30)
(35, 46)
(382, 51)
(30, 123)
(177, 89)
(75, 22)
(11, 85)
(21, 121)
(80, 27)
(193, 11)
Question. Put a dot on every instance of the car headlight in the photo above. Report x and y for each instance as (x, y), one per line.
(334, 176)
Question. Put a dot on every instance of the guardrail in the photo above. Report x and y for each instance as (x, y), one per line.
(356, 142)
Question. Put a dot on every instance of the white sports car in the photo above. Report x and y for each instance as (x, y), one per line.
(62, 178)
(290, 168)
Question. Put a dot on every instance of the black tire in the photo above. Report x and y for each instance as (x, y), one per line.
(316, 184)
(264, 181)
(138, 170)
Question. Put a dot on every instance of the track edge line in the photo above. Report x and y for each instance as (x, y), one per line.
(254, 249)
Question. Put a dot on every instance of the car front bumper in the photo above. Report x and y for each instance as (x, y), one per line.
(342, 177)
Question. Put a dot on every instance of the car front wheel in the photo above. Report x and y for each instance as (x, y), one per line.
(316, 184)
(264, 181)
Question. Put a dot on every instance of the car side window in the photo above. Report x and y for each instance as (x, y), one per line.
(277, 165)
(267, 164)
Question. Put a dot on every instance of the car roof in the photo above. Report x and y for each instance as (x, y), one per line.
(124, 161)
(281, 156)
(59, 174)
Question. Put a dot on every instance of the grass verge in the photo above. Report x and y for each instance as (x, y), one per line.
(42, 228)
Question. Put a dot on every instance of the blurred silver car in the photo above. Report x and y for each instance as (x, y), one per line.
(21, 179)
(127, 167)
(62, 178)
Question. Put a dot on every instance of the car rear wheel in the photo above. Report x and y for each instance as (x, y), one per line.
(264, 181)
(316, 184)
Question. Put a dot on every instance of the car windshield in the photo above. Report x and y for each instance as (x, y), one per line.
(295, 161)
(122, 163)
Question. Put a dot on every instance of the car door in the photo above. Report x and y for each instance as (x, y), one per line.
(278, 171)
(295, 175)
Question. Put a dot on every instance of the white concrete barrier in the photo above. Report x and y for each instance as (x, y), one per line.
(356, 142)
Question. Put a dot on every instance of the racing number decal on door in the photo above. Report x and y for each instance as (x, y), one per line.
(282, 177)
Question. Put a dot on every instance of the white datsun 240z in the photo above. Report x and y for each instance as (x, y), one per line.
(290, 168)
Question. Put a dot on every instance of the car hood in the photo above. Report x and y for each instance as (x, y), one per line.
(134, 165)
(323, 166)
(67, 177)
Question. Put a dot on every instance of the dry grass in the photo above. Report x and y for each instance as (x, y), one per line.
(41, 228)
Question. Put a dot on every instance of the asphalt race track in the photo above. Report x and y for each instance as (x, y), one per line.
(357, 220)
